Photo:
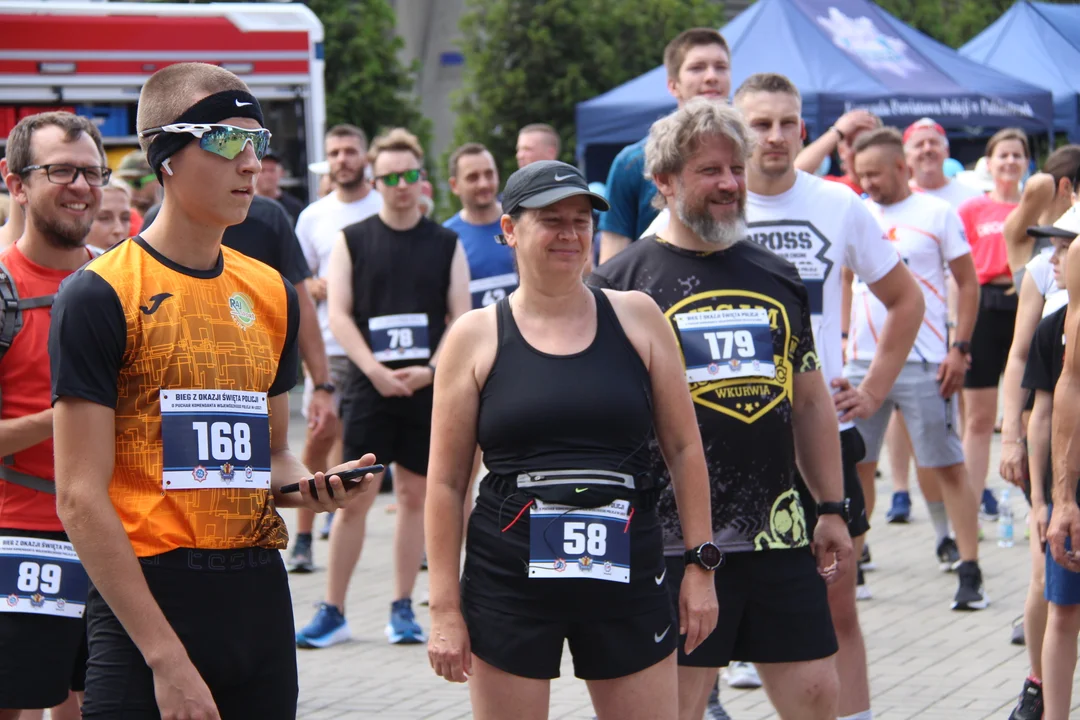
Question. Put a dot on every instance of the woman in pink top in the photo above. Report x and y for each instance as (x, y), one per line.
(984, 219)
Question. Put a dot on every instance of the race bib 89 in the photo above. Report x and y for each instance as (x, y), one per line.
(723, 344)
(214, 439)
(41, 577)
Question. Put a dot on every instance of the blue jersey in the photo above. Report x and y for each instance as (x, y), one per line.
(629, 194)
(491, 265)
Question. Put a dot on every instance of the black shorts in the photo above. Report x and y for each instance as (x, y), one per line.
(397, 430)
(774, 608)
(519, 625)
(852, 452)
(992, 337)
(42, 657)
(231, 610)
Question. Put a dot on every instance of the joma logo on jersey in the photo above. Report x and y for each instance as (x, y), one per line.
(802, 245)
(748, 397)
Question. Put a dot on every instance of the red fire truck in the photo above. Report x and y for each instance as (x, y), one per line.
(92, 58)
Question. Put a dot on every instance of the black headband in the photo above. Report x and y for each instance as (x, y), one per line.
(211, 109)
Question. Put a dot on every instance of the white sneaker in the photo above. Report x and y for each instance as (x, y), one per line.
(742, 675)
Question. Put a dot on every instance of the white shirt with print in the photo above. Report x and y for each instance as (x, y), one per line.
(928, 234)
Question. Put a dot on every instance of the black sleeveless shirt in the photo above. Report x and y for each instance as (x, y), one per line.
(590, 410)
(401, 272)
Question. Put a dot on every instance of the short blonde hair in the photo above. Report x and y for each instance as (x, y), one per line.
(397, 140)
(673, 139)
(173, 89)
(118, 185)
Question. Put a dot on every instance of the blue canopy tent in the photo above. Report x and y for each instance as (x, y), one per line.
(841, 54)
(1040, 43)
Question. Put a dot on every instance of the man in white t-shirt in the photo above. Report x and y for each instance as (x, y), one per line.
(351, 201)
(928, 234)
(926, 146)
(820, 226)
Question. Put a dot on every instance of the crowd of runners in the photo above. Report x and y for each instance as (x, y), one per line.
(675, 390)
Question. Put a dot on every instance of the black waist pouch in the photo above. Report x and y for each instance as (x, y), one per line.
(588, 488)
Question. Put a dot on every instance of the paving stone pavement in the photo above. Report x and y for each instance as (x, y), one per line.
(926, 661)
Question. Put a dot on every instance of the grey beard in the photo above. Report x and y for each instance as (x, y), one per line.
(721, 234)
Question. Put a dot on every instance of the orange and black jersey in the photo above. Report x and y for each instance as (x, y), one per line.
(133, 326)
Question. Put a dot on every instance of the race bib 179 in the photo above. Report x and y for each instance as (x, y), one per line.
(723, 344)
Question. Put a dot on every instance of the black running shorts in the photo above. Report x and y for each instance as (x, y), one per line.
(397, 430)
(233, 613)
(774, 608)
(519, 625)
(992, 337)
(42, 657)
(852, 452)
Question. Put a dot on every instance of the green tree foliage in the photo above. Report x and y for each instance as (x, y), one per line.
(532, 61)
(366, 83)
(952, 22)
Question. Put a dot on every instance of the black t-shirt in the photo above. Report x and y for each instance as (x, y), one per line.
(1045, 360)
(742, 319)
(292, 204)
(267, 235)
(401, 279)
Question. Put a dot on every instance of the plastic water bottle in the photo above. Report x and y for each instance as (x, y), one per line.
(1005, 520)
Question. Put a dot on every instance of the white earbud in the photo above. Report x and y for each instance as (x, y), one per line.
(165, 166)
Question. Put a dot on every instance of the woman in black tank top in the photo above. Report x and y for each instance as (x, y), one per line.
(561, 386)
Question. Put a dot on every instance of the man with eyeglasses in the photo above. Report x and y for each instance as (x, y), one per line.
(171, 360)
(396, 282)
(55, 173)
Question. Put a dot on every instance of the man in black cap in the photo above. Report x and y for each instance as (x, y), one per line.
(268, 185)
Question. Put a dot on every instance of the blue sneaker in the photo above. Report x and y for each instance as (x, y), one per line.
(900, 512)
(989, 505)
(403, 628)
(327, 628)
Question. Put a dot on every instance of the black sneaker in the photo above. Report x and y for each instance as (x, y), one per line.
(970, 595)
(1030, 705)
(1017, 636)
(948, 555)
(300, 560)
(714, 710)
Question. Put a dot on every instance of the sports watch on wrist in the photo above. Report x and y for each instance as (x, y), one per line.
(963, 346)
(706, 555)
(326, 387)
(835, 508)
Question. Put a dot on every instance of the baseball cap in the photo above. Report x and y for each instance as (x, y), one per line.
(322, 167)
(925, 123)
(544, 183)
(1066, 227)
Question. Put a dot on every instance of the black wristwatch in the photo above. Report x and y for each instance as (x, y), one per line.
(326, 387)
(835, 508)
(706, 555)
(963, 346)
